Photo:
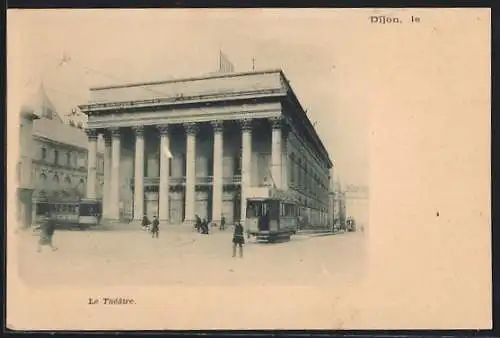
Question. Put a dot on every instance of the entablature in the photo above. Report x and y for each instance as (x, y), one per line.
(124, 118)
(165, 103)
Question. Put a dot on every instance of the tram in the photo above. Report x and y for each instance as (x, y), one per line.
(271, 218)
(81, 214)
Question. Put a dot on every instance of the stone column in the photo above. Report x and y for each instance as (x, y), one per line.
(164, 191)
(139, 174)
(276, 155)
(92, 164)
(114, 199)
(107, 175)
(246, 163)
(217, 183)
(191, 130)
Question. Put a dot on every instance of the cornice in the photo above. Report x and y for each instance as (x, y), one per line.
(99, 108)
(188, 79)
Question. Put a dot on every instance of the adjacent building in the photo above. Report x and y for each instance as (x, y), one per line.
(201, 146)
(24, 167)
(58, 151)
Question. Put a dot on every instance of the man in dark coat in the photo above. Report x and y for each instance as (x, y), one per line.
(222, 222)
(155, 228)
(197, 224)
(145, 222)
(238, 239)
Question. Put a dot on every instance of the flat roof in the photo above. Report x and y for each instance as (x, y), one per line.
(206, 86)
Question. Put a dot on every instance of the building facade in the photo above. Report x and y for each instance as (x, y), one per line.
(24, 167)
(201, 146)
(59, 154)
(58, 151)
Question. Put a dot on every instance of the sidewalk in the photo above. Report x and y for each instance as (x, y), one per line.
(318, 232)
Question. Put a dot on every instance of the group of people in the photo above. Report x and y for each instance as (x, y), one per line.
(154, 226)
(47, 229)
(202, 226)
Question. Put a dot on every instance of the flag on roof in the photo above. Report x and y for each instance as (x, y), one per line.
(225, 66)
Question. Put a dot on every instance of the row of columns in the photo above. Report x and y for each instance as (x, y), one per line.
(112, 169)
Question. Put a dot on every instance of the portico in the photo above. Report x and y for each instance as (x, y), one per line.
(199, 152)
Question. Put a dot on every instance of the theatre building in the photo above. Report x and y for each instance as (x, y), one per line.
(201, 146)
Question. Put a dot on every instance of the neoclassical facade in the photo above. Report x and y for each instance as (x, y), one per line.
(201, 146)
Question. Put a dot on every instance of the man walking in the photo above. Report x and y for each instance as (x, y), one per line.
(238, 239)
(155, 227)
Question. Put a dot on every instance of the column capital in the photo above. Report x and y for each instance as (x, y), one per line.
(191, 128)
(115, 132)
(277, 122)
(218, 126)
(91, 134)
(138, 130)
(163, 128)
(106, 135)
(246, 124)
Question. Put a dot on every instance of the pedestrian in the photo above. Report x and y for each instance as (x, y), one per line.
(46, 233)
(238, 239)
(145, 222)
(197, 224)
(155, 228)
(204, 227)
(222, 222)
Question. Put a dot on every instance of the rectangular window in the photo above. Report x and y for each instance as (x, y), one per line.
(56, 156)
(81, 160)
(44, 154)
(68, 158)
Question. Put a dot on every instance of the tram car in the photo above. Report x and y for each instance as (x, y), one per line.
(79, 214)
(271, 218)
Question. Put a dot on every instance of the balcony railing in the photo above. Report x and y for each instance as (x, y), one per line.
(203, 180)
(234, 180)
(176, 180)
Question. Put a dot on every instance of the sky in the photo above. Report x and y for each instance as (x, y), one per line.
(320, 52)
